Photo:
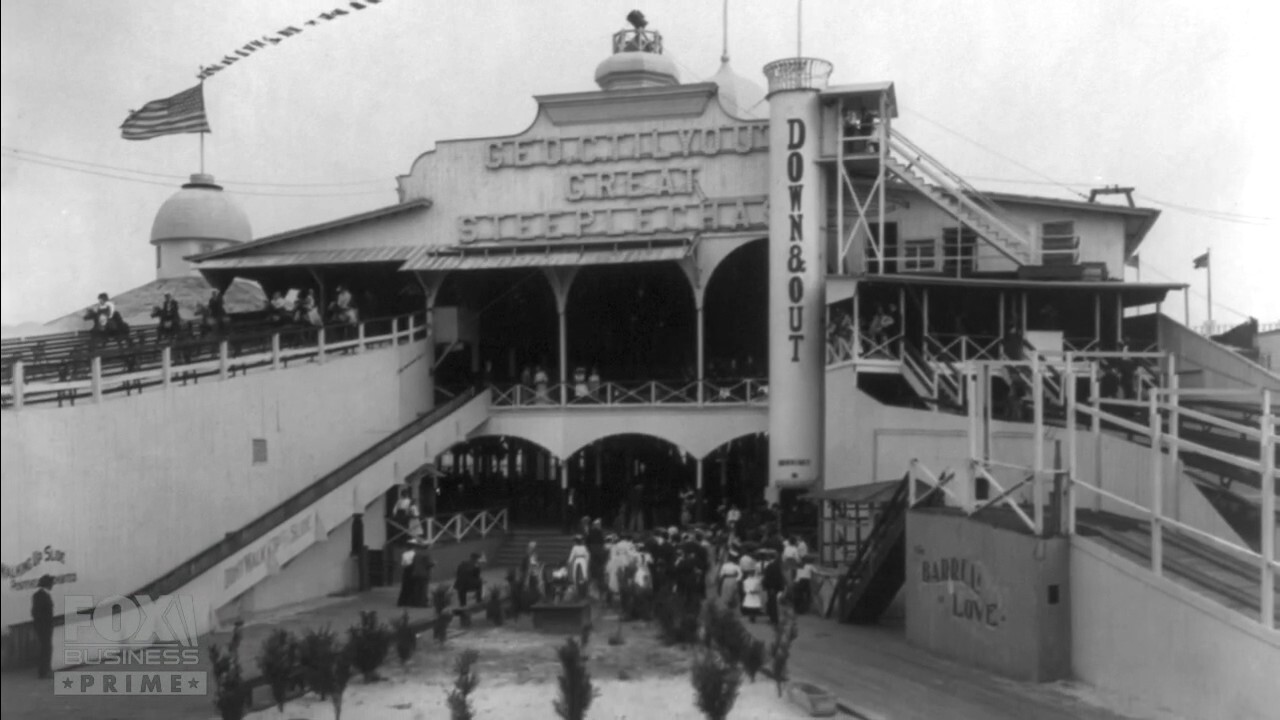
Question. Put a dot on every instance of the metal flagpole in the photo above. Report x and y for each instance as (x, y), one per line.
(1208, 270)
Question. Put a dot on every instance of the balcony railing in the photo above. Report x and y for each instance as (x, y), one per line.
(727, 391)
(82, 373)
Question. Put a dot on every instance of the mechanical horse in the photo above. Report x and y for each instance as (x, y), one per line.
(114, 328)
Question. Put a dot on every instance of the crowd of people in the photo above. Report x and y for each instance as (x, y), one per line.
(745, 569)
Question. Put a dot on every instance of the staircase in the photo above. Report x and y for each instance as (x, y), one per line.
(880, 569)
(553, 547)
(937, 384)
(950, 192)
(1189, 561)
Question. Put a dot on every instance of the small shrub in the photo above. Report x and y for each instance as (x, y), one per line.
(440, 627)
(231, 697)
(464, 684)
(493, 607)
(586, 633)
(369, 641)
(715, 684)
(753, 658)
(316, 654)
(278, 664)
(784, 633)
(576, 690)
(724, 632)
(677, 619)
(440, 598)
(406, 638)
(337, 678)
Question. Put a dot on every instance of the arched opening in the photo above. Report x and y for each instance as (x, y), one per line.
(630, 482)
(632, 322)
(734, 475)
(735, 314)
(494, 472)
(493, 325)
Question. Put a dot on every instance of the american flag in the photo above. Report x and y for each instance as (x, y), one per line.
(182, 113)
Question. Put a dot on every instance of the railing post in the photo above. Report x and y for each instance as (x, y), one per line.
(1095, 393)
(19, 391)
(166, 366)
(911, 482)
(320, 345)
(360, 337)
(95, 377)
(1268, 461)
(1037, 409)
(653, 392)
(395, 329)
(223, 363)
(1157, 494)
(1174, 434)
(1069, 506)
(275, 351)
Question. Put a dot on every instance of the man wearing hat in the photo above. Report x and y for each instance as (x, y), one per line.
(42, 618)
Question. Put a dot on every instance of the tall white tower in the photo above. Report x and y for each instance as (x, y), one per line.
(198, 218)
(797, 273)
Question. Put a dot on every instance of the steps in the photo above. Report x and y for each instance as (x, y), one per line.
(553, 547)
(956, 203)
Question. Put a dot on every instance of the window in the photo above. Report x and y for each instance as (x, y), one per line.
(918, 255)
(259, 451)
(959, 248)
(1059, 244)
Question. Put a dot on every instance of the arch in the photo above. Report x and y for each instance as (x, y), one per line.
(633, 321)
(565, 430)
(735, 311)
(630, 476)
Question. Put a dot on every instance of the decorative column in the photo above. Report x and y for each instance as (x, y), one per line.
(797, 291)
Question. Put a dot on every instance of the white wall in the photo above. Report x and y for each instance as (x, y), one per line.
(867, 441)
(131, 487)
(1153, 643)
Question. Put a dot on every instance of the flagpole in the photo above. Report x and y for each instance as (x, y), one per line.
(201, 153)
(1208, 269)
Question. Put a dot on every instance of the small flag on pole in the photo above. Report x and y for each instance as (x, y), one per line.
(1201, 262)
(182, 113)
(1132, 261)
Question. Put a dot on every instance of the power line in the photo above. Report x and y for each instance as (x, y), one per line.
(26, 154)
(1191, 289)
(1006, 158)
(98, 173)
(1211, 214)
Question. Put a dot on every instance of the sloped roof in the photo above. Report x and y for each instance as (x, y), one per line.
(135, 305)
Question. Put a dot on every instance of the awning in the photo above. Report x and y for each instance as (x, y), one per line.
(435, 259)
(876, 492)
(302, 258)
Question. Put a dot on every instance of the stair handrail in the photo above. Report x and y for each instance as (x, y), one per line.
(963, 193)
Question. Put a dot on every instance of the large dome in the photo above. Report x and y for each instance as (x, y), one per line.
(201, 211)
(739, 96)
(636, 69)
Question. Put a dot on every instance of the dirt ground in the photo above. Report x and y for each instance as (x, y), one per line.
(639, 679)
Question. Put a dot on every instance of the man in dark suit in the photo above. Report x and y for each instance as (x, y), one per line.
(774, 582)
(468, 579)
(42, 617)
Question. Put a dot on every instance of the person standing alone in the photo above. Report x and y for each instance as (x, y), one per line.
(42, 618)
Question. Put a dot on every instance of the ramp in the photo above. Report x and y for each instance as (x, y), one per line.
(214, 578)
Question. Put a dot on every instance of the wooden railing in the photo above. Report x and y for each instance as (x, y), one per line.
(726, 391)
(85, 375)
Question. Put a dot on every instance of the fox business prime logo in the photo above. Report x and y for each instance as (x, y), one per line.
(130, 646)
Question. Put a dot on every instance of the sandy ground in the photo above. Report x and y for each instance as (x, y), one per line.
(639, 679)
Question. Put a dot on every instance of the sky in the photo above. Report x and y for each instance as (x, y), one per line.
(1174, 97)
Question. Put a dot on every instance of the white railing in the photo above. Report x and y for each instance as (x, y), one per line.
(221, 358)
(464, 525)
(727, 391)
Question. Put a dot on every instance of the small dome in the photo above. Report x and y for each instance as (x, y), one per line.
(636, 69)
(739, 96)
(201, 211)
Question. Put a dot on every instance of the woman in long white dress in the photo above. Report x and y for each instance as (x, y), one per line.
(730, 577)
(579, 564)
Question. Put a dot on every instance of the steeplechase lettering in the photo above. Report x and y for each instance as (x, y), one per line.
(643, 145)
(725, 214)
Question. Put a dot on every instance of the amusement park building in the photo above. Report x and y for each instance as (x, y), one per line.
(789, 295)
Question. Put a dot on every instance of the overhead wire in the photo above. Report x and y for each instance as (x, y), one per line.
(20, 153)
(143, 181)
